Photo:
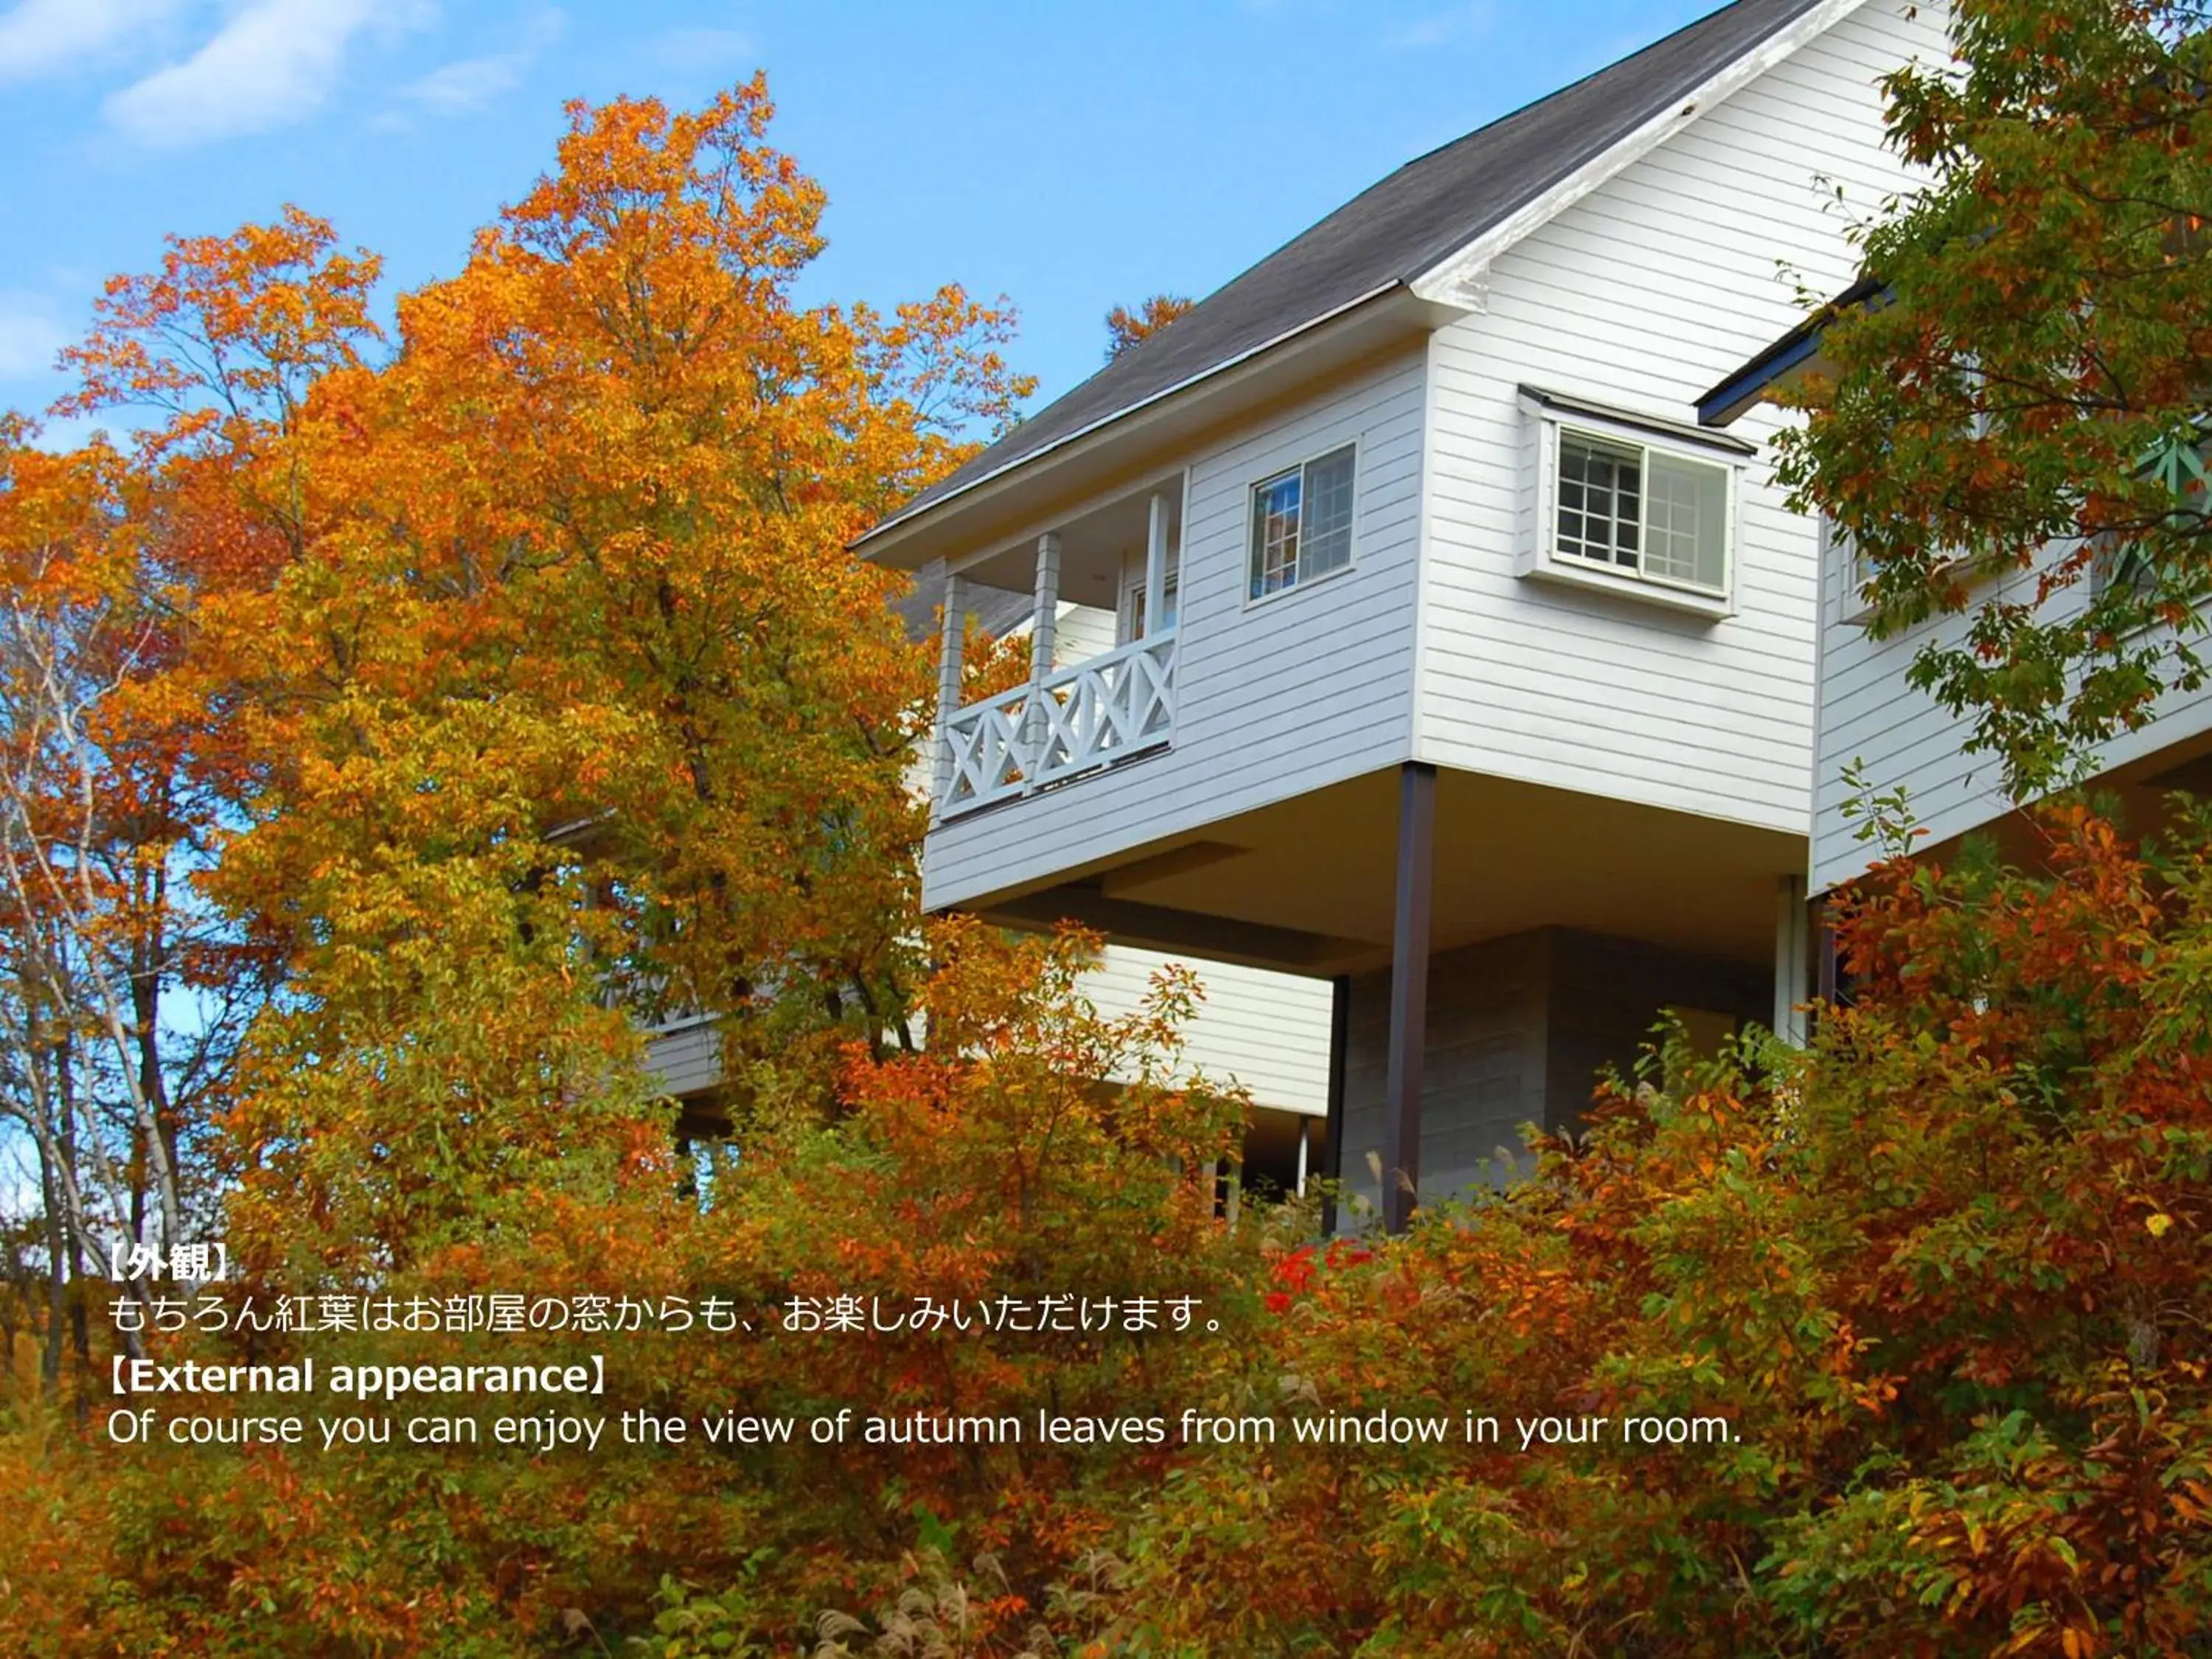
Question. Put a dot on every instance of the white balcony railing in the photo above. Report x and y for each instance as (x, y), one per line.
(1116, 705)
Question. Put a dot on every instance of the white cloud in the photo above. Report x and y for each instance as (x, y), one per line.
(699, 49)
(456, 89)
(1441, 29)
(272, 62)
(470, 84)
(29, 335)
(38, 37)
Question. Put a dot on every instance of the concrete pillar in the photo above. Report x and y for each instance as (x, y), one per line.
(1792, 954)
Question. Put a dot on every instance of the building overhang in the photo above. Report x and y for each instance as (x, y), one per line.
(1134, 442)
(1304, 885)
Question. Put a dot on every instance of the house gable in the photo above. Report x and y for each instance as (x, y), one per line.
(1421, 231)
(1638, 293)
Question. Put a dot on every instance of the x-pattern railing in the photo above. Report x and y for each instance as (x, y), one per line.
(1116, 705)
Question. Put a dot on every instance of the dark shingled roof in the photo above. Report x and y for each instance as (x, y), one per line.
(1394, 231)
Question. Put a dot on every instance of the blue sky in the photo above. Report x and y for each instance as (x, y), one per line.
(1072, 156)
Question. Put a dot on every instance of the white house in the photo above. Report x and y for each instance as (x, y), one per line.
(1453, 664)
(1871, 719)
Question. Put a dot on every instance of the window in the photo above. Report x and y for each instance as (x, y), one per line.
(1137, 625)
(1854, 571)
(1302, 523)
(1641, 511)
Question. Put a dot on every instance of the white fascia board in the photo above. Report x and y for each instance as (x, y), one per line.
(1457, 279)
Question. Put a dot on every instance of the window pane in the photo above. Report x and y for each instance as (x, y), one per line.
(1600, 509)
(1327, 513)
(1687, 522)
(1274, 534)
(1170, 609)
(1852, 571)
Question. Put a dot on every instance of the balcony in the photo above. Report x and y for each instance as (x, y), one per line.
(1111, 708)
(1097, 595)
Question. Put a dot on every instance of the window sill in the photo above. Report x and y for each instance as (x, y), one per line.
(1304, 585)
(1713, 607)
(1858, 611)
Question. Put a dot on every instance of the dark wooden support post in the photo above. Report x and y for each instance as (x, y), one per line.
(1409, 994)
(1332, 1145)
(1827, 961)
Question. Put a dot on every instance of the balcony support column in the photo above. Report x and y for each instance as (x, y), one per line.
(950, 667)
(1043, 630)
(1409, 994)
(1827, 959)
(1155, 566)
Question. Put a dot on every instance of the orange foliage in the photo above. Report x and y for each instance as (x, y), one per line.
(1126, 328)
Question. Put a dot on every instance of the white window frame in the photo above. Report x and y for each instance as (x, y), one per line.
(1299, 582)
(1851, 571)
(1133, 596)
(1539, 557)
(1842, 563)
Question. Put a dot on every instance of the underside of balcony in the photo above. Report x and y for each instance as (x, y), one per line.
(1308, 884)
(2142, 789)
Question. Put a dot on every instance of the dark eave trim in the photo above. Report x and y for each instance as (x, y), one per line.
(1751, 383)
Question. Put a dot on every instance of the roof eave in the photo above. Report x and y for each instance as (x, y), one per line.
(1789, 362)
(1760, 379)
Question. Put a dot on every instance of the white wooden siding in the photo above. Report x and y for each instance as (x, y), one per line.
(1642, 296)
(1080, 632)
(1267, 1031)
(685, 1058)
(1904, 740)
(1272, 700)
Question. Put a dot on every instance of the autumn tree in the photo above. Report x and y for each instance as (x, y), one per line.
(558, 668)
(2015, 431)
(1126, 328)
(126, 988)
